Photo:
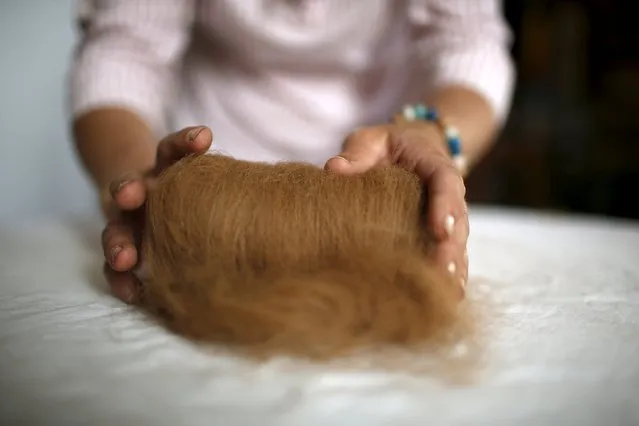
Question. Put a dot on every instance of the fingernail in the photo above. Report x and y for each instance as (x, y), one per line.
(114, 253)
(342, 158)
(449, 224)
(128, 295)
(117, 186)
(140, 271)
(452, 268)
(193, 134)
(462, 291)
(462, 282)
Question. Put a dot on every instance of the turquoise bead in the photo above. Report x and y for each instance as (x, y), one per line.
(421, 112)
(431, 115)
(454, 145)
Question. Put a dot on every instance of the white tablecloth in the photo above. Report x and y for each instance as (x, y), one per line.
(565, 350)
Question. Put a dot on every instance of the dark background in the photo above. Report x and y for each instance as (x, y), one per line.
(571, 142)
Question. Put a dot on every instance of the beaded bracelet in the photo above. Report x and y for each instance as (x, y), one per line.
(453, 140)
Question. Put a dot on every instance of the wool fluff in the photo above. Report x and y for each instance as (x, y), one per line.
(291, 259)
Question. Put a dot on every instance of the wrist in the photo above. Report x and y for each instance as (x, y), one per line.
(439, 128)
(111, 142)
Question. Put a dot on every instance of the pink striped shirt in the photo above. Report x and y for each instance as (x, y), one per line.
(284, 79)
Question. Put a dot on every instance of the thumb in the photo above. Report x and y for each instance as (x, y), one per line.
(363, 150)
(190, 140)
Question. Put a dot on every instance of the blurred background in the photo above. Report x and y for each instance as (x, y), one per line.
(39, 175)
(571, 143)
(572, 139)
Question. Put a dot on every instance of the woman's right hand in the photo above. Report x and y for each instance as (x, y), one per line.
(124, 203)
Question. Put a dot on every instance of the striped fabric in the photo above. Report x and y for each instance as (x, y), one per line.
(284, 79)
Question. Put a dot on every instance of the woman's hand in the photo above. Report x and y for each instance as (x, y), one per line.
(420, 147)
(124, 203)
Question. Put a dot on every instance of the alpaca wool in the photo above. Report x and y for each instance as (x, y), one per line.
(291, 259)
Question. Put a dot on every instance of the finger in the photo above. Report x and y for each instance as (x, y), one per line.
(191, 140)
(123, 285)
(129, 192)
(464, 277)
(363, 150)
(450, 256)
(447, 207)
(118, 244)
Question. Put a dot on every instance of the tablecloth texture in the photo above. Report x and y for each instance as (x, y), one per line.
(565, 349)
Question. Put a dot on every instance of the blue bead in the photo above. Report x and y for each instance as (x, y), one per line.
(420, 111)
(454, 146)
(431, 115)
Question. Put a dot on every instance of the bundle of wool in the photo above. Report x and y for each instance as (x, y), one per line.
(291, 259)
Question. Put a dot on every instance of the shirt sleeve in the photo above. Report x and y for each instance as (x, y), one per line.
(466, 42)
(126, 55)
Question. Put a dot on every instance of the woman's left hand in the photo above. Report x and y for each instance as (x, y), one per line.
(420, 147)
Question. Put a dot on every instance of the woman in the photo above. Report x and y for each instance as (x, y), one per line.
(310, 80)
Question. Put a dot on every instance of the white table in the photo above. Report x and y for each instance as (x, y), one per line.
(565, 351)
